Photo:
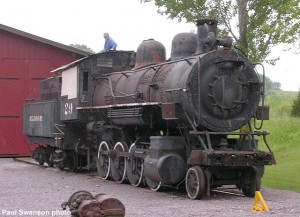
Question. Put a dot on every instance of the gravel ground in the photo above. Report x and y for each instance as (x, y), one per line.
(26, 188)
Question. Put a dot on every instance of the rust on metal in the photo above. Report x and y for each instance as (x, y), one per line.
(84, 204)
(89, 208)
(169, 111)
(183, 45)
(229, 158)
(150, 52)
(110, 206)
(263, 113)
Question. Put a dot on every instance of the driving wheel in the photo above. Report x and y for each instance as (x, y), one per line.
(135, 168)
(103, 160)
(153, 185)
(118, 162)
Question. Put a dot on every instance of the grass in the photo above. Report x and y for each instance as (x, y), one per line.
(284, 140)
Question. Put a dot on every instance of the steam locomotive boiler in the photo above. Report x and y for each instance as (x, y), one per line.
(148, 120)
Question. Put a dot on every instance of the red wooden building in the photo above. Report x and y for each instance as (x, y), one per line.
(25, 59)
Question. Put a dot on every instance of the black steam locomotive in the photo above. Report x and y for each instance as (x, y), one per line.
(140, 118)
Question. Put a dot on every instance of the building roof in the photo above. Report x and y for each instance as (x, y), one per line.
(44, 40)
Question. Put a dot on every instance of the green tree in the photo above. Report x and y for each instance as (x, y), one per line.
(269, 84)
(82, 47)
(277, 86)
(296, 106)
(255, 25)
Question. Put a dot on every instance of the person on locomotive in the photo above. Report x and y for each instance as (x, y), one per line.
(109, 43)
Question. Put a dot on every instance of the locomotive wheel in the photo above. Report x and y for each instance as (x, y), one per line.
(118, 162)
(77, 197)
(103, 160)
(195, 183)
(61, 157)
(40, 155)
(49, 159)
(72, 160)
(253, 183)
(135, 168)
(153, 185)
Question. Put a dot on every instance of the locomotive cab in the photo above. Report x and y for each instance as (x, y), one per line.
(79, 79)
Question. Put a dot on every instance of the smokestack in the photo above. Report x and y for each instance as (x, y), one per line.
(206, 35)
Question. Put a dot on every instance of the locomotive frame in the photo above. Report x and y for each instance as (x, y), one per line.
(146, 120)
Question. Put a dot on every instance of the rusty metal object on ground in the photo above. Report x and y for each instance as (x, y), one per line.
(84, 204)
(110, 206)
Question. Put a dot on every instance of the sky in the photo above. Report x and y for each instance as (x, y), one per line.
(128, 22)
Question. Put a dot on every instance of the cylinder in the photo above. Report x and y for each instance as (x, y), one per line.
(166, 162)
(169, 169)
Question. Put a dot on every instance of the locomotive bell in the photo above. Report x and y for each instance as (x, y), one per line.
(150, 52)
(183, 45)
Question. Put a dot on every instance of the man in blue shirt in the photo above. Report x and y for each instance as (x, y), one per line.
(109, 44)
